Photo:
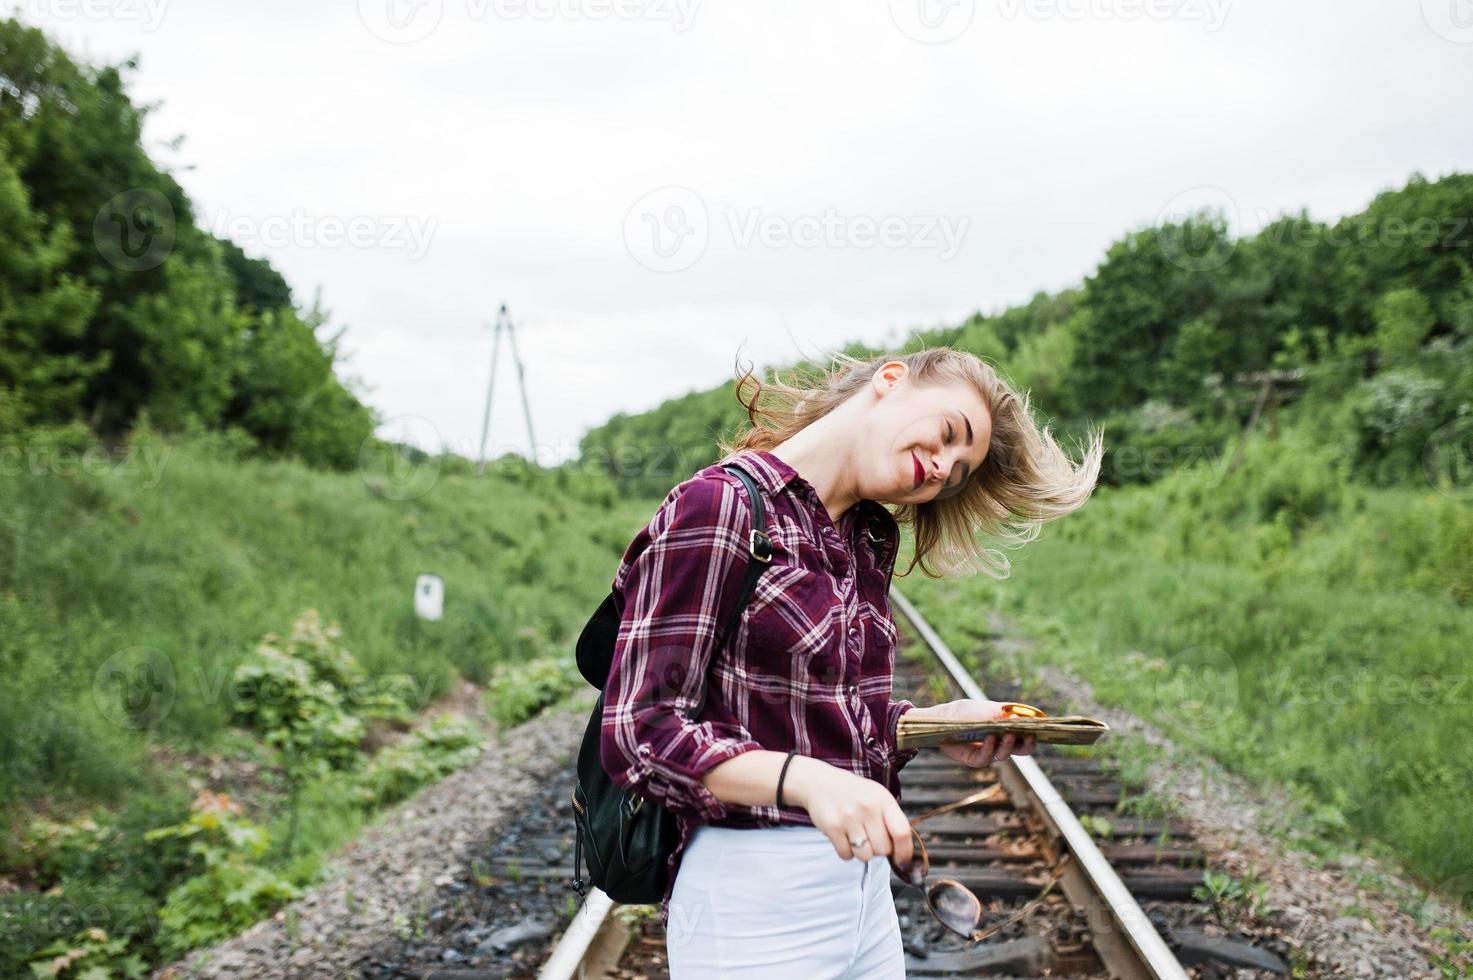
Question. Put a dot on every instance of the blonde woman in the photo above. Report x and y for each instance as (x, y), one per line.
(777, 751)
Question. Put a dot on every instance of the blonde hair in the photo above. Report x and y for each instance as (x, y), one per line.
(1025, 479)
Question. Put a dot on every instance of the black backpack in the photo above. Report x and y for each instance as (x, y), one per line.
(628, 838)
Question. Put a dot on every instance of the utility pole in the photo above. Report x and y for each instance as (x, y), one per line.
(1270, 384)
(504, 322)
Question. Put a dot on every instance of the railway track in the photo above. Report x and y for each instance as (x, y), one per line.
(1123, 905)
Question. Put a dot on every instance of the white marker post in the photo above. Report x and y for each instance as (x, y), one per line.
(429, 597)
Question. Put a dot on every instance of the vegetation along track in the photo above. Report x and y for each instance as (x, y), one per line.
(1135, 896)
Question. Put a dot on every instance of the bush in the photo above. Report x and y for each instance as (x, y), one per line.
(231, 891)
(519, 691)
(442, 746)
(300, 697)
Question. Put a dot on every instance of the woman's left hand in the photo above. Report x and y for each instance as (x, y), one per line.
(987, 751)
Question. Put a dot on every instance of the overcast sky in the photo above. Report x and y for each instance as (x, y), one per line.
(648, 184)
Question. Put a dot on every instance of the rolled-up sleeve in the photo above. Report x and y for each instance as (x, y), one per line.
(677, 591)
(898, 758)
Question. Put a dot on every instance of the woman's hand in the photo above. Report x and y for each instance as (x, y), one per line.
(847, 807)
(976, 754)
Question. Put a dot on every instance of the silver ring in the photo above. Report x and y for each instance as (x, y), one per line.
(857, 844)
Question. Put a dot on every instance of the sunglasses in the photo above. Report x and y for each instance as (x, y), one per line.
(953, 904)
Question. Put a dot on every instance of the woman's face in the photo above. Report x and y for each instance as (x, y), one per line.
(927, 441)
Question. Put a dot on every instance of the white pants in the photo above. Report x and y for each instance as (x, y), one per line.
(779, 902)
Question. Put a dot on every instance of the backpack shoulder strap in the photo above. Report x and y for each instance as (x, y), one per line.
(759, 544)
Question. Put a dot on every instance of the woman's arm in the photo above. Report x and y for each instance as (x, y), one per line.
(682, 585)
(750, 779)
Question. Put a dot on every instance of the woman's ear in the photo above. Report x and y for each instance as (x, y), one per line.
(891, 372)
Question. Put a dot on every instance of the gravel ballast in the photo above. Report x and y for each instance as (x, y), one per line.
(398, 865)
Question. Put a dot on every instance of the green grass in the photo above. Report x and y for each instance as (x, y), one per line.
(131, 590)
(185, 563)
(1307, 633)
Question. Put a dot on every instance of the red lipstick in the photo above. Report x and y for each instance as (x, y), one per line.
(920, 473)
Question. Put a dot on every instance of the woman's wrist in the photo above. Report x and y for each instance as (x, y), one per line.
(796, 785)
(917, 713)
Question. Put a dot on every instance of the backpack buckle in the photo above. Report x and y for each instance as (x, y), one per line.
(761, 546)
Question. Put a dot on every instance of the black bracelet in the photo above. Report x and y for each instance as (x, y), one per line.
(780, 778)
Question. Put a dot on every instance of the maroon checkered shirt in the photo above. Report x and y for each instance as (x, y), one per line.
(808, 666)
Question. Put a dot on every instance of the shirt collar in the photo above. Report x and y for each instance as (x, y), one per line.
(773, 474)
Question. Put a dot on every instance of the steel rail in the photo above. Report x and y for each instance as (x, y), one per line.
(580, 939)
(1128, 945)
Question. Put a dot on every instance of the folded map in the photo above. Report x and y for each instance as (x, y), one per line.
(1062, 730)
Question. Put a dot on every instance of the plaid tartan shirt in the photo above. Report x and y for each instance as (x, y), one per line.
(808, 665)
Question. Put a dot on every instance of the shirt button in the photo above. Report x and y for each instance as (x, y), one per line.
(853, 689)
(644, 750)
(869, 740)
(853, 630)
